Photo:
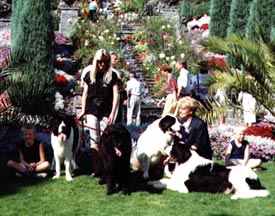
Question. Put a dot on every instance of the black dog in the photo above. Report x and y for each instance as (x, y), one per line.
(115, 152)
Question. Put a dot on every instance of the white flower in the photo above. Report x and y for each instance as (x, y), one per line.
(163, 27)
(161, 55)
(182, 55)
(86, 43)
(180, 42)
(167, 58)
(173, 63)
(101, 38)
(261, 142)
(173, 57)
(168, 26)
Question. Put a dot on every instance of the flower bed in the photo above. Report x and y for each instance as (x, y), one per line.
(260, 137)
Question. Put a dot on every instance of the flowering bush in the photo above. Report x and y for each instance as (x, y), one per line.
(220, 137)
(105, 34)
(261, 130)
(260, 137)
(4, 53)
(5, 42)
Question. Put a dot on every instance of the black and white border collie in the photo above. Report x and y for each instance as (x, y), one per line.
(194, 173)
(154, 143)
(65, 143)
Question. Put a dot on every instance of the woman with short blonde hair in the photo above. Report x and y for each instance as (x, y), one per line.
(195, 131)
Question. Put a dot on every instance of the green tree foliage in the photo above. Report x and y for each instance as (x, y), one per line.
(31, 85)
(261, 18)
(219, 13)
(258, 61)
(239, 14)
(186, 11)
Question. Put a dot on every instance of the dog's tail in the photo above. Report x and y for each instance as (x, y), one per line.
(246, 183)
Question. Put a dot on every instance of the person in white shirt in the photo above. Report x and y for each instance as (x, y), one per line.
(249, 107)
(133, 89)
(183, 79)
(205, 19)
(193, 24)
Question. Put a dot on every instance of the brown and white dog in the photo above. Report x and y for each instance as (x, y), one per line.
(65, 143)
(154, 144)
(194, 173)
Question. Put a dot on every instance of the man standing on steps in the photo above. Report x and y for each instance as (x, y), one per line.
(114, 61)
(134, 102)
(183, 79)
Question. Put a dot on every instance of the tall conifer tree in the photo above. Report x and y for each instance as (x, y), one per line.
(32, 82)
(219, 13)
(261, 17)
(239, 13)
(186, 10)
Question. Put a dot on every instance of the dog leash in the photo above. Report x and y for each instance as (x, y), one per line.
(86, 126)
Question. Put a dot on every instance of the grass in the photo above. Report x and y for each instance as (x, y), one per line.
(84, 196)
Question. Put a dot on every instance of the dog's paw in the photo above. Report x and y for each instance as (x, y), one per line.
(234, 197)
(146, 175)
(69, 178)
(159, 186)
(56, 176)
(101, 181)
(150, 183)
(126, 191)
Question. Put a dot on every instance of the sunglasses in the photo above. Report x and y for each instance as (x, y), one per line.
(102, 61)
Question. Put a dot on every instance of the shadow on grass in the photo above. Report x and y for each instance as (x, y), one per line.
(138, 183)
(9, 183)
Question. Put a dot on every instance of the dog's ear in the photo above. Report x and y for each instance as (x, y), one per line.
(166, 122)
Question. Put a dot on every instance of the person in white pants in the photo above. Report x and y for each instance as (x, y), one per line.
(134, 100)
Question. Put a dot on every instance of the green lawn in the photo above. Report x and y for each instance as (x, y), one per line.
(84, 196)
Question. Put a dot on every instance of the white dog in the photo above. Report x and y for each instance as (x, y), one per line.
(65, 141)
(154, 143)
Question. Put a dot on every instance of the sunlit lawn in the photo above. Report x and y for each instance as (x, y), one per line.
(84, 196)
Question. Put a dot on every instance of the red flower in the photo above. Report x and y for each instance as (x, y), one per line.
(60, 79)
(262, 131)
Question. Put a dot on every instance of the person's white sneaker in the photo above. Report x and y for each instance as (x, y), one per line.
(19, 175)
(41, 175)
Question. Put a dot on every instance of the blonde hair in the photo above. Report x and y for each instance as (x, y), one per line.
(239, 128)
(101, 54)
(189, 102)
